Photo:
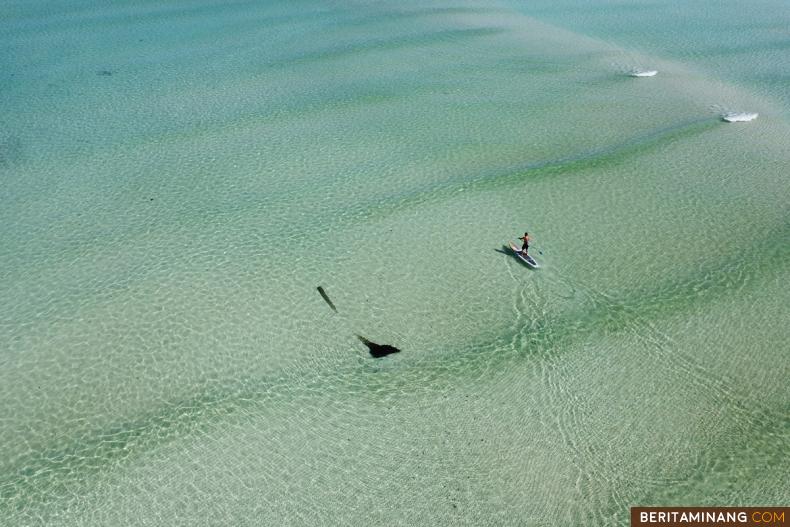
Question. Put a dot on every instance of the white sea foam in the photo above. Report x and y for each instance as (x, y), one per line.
(738, 117)
(642, 73)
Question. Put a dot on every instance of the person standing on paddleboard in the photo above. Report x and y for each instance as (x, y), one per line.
(526, 239)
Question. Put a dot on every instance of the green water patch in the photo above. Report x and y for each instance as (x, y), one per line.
(300, 104)
(408, 15)
(51, 474)
(12, 151)
(534, 64)
(88, 17)
(685, 290)
(538, 336)
(448, 36)
(599, 159)
(742, 49)
(743, 467)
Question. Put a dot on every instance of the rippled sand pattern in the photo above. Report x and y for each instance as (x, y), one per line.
(177, 179)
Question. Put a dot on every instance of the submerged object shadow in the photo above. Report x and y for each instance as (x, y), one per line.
(376, 350)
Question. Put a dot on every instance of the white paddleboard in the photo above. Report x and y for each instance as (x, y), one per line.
(530, 261)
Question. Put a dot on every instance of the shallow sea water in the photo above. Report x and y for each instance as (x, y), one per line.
(177, 179)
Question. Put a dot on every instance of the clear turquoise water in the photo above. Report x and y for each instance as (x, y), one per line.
(177, 179)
